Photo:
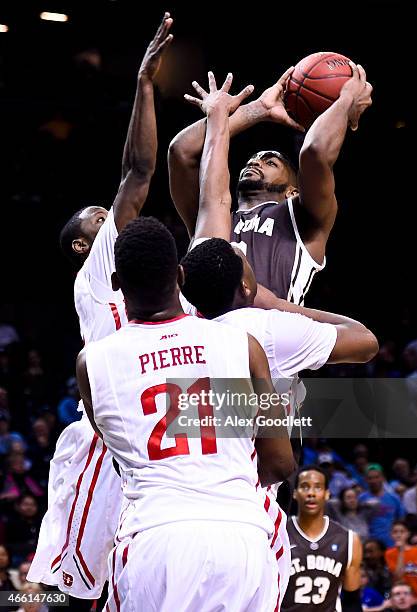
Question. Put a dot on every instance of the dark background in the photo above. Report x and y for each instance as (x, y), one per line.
(66, 91)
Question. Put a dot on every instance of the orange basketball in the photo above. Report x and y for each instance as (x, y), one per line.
(315, 84)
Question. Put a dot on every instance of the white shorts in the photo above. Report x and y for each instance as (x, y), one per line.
(194, 566)
(279, 541)
(84, 500)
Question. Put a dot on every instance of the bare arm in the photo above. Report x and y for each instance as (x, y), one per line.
(184, 152)
(85, 390)
(352, 578)
(139, 156)
(316, 207)
(275, 456)
(213, 220)
(355, 343)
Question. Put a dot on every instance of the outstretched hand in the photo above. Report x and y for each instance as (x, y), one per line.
(272, 100)
(152, 59)
(218, 98)
(360, 90)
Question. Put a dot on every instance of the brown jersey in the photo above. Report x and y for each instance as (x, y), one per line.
(269, 237)
(317, 567)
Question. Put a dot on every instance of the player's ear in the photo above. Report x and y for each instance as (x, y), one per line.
(327, 496)
(180, 276)
(244, 288)
(80, 246)
(292, 192)
(115, 283)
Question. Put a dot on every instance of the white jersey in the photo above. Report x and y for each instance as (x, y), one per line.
(173, 479)
(84, 493)
(101, 310)
(291, 341)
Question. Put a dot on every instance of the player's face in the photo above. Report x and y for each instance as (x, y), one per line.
(266, 168)
(401, 597)
(92, 218)
(311, 493)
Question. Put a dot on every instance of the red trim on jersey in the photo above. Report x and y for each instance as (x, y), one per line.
(277, 524)
(138, 321)
(77, 492)
(279, 593)
(257, 484)
(278, 555)
(115, 591)
(253, 455)
(85, 514)
(267, 503)
(199, 315)
(124, 556)
(116, 315)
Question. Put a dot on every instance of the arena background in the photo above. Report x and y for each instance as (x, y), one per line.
(66, 91)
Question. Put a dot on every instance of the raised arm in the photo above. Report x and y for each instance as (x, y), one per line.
(139, 156)
(273, 447)
(213, 219)
(355, 343)
(316, 207)
(185, 150)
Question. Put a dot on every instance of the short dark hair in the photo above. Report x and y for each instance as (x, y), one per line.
(402, 523)
(72, 230)
(213, 272)
(382, 547)
(146, 260)
(312, 468)
(290, 166)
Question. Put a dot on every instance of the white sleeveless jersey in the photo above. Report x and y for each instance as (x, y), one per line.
(206, 477)
(101, 310)
(292, 343)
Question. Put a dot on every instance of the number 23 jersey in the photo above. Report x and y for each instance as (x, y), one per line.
(317, 567)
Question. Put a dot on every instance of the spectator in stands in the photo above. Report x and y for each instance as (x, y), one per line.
(374, 564)
(410, 500)
(401, 598)
(6, 436)
(23, 528)
(23, 572)
(401, 558)
(41, 450)
(32, 587)
(18, 480)
(403, 476)
(350, 515)
(338, 479)
(370, 598)
(384, 507)
(34, 382)
(68, 405)
(357, 469)
(6, 583)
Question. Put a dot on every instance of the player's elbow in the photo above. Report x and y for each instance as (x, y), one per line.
(276, 470)
(370, 347)
(179, 153)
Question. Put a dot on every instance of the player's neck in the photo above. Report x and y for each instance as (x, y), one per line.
(312, 526)
(251, 199)
(140, 312)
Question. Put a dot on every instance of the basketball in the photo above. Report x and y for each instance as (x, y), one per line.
(315, 84)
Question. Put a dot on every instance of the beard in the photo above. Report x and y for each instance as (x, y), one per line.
(246, 185)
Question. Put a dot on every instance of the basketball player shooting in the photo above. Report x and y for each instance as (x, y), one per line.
(284, 218)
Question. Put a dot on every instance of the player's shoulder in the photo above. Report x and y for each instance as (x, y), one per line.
(334, 527)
